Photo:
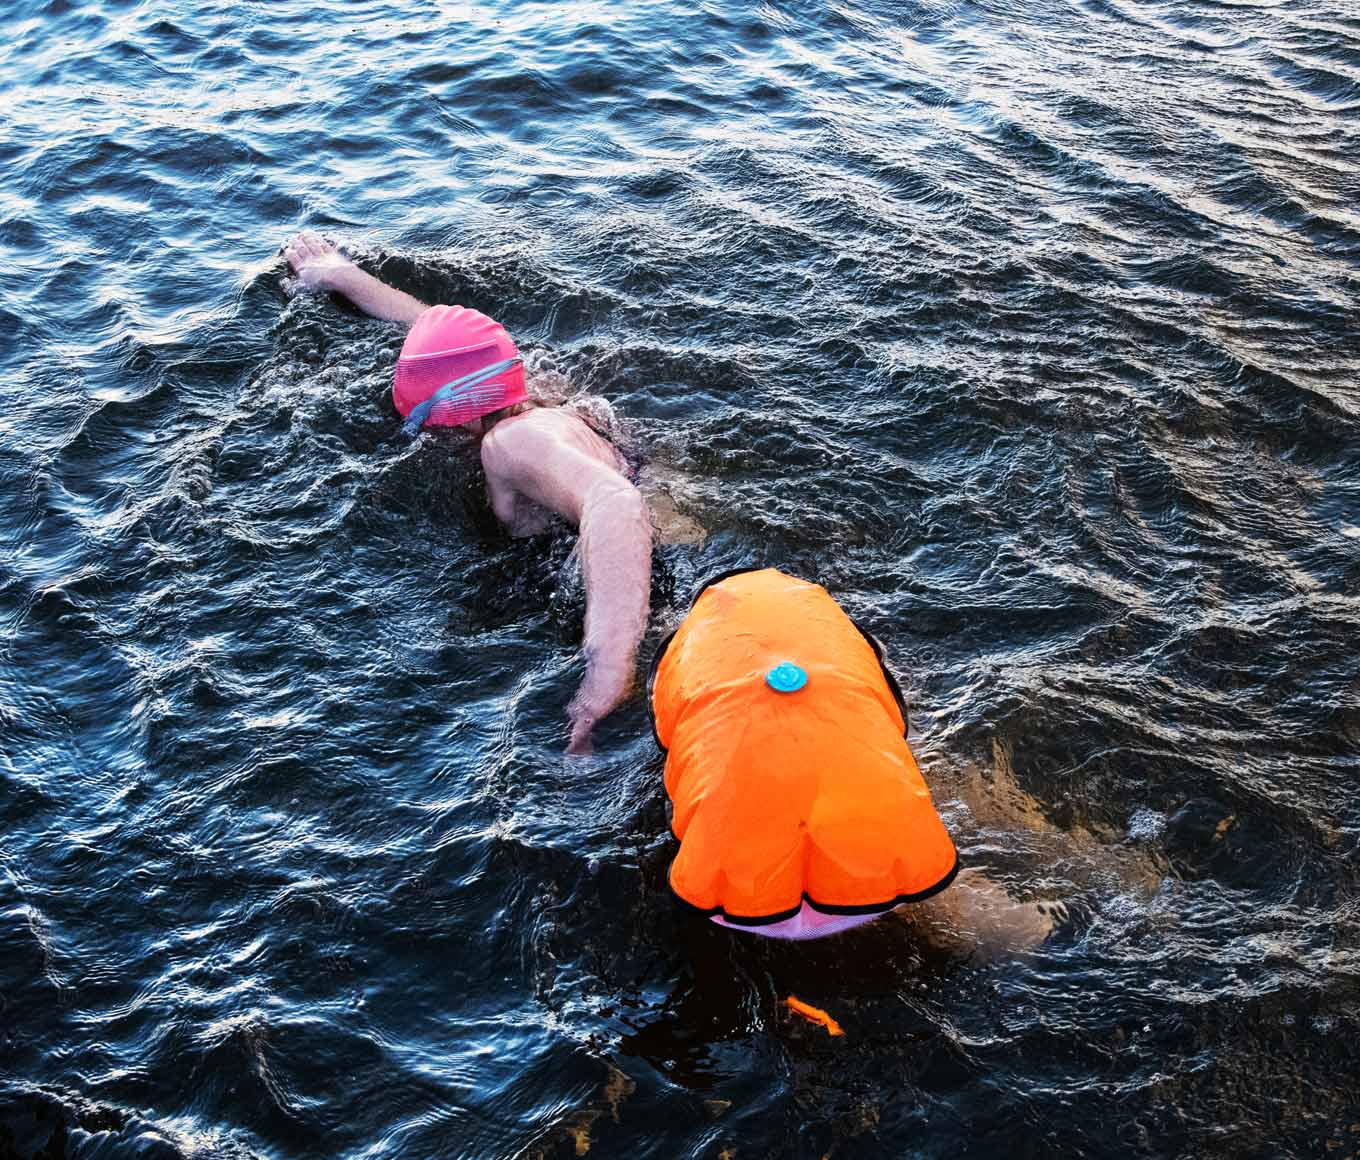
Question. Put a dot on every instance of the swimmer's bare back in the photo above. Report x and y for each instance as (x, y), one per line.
(542, 460)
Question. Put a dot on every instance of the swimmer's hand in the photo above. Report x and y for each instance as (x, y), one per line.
(582, 744)
(318, 265)
(605, 685)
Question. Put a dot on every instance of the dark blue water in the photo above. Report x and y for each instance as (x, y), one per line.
(1028, 329)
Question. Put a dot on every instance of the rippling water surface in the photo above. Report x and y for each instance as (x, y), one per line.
(1029, 329)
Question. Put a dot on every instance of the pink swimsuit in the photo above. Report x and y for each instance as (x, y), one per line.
(809, 922)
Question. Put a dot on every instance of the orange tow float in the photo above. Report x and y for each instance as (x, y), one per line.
(787, 761)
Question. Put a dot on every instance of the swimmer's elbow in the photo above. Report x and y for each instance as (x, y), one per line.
(630, 506)
(618, 504)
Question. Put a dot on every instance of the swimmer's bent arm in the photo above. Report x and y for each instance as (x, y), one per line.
(616, 565)
(615, 550)
(320, 266)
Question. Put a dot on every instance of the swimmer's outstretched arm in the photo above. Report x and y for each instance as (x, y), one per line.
(320, 266)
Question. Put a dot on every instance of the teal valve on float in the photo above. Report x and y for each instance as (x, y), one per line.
(786, 677)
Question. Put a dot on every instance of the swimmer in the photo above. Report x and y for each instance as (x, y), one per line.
(539, 461)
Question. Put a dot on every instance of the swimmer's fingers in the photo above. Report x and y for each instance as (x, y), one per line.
(297, 282)
(581, 743)
(316, 244)
(303, 247)
(293, 253)
(301, 250)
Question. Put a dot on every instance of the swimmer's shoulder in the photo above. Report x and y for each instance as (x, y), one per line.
(510, 440)
(533, 424)
(528, 437)
(551, 439)
(539, 425)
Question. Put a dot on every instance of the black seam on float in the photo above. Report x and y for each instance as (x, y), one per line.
(711, 910)
(666, 642)
(825, 908)
(651, 684)
(893, 687)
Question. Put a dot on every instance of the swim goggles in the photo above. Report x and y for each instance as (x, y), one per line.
(419, 414)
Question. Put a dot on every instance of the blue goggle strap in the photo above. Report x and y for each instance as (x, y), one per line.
(416, 419)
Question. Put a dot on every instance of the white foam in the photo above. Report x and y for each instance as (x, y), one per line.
(1146, 824)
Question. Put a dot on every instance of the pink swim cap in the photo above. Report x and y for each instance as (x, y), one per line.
(446, 343)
